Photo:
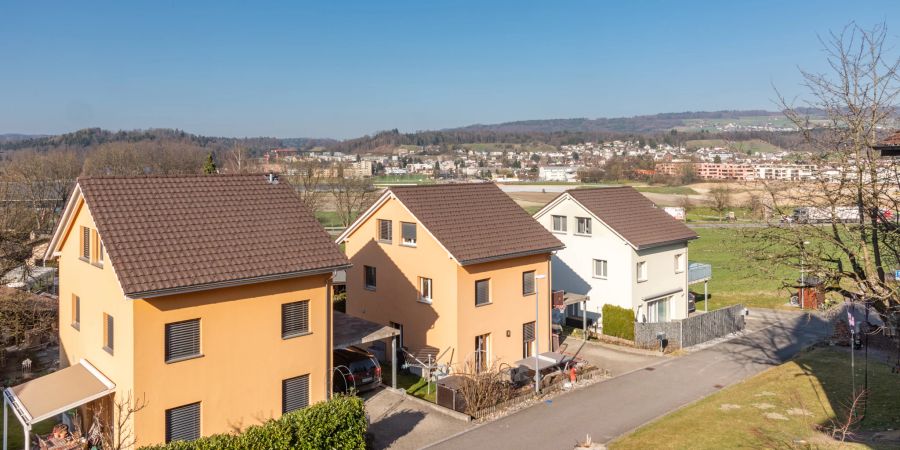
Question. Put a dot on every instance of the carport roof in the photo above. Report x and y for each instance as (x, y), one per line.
(51, 394)
(350, 330)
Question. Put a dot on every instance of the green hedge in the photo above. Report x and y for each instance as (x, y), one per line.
(339, 423)
(618, 322)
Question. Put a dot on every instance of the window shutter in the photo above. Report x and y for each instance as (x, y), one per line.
(528, 332)
(294, 318)
(86, 242)
(294, 393)
(109, 332)
(527, 283)
(482, 292)
(183, 423)
(182, 339)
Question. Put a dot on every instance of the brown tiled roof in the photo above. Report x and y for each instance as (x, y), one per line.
(476, 221)
(632, 215)
(891, 141)
(194, 232)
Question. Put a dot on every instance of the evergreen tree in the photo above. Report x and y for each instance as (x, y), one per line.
(209, 167)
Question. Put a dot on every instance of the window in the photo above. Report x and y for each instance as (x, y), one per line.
(182, 340)
(528, 340)
(399, 327)
(658, 311)
(99, 252)
(482, 352)
(294, 319)
(559, 223)
(108, 333)
(294, 393)
(482, 292)
(370, 277)
(86, 243)
(76, 312)
(528, 282)
(385, 231)
(600, 268)
(584, 225)
(409, 234)
(425, 285)
(679, 263)
(183, 423)
(642, 271)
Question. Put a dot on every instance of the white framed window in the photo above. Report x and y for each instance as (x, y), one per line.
(408, 231)
(584, 225)
(658, 311)
(600, 268)
(642, 271)
(679, 263)
(425, 289)
(385, 231)
(559, 224)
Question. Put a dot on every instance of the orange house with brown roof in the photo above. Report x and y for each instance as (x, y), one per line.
(205, 298)
(458, 268)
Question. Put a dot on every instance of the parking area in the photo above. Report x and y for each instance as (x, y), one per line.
(398, 421)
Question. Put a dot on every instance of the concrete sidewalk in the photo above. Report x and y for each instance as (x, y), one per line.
(399, 422)
(612, 408)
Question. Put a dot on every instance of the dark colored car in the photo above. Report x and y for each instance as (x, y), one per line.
(355, 369)
(692, 302)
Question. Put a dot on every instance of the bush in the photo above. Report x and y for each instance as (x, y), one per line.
(339, 423)
(618, 322)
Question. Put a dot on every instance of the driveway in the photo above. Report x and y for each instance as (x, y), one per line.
(609, 409)
(398, 422)
(617, 360)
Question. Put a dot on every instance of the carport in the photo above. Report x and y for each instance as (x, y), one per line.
(53, 394)
(349, 331)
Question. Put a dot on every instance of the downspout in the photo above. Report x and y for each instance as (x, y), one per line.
(329, 323)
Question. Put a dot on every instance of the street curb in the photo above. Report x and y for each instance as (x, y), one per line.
(447, 412)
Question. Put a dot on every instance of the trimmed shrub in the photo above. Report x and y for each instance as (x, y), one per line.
(339, 423)
(618, 322)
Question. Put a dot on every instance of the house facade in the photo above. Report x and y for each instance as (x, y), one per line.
(457, 268)
(205, 300)
(621, 250)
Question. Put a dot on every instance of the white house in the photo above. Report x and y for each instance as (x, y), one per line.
(556, 173)
(620, 249)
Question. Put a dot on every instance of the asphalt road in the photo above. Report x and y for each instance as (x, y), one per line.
(609, 409)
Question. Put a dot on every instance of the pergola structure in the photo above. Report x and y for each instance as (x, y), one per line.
(53, 394)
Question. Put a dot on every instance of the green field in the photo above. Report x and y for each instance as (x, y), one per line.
(778, 408)
(706, 214)
(677, 190)
(737, 276)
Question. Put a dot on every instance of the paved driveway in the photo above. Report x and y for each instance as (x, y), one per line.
(609, 409)
(398, 422)
(617, 360)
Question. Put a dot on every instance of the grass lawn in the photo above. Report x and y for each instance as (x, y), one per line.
(777, 407)
(677, 190)
(328, 218)
(707, 214)
(737, 278)
(413, 384)
(15, 430)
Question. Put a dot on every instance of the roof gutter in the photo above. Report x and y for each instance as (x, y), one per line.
(660, 244)
(232, 283)
(469, 262)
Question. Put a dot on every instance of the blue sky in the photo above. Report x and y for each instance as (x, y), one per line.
(343, 69)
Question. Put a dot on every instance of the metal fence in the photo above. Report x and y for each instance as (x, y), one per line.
(693, 330)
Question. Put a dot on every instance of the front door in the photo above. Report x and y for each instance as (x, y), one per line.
(482, 351)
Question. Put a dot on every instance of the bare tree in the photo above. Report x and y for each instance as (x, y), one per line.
(41, 182)
(482, 387)
(238, 160)
(720, 198)
(352, 195)
(853, 188)
(115, 431)
(308, 178)
(145, 158)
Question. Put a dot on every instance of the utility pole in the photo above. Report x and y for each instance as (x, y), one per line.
(537, 333)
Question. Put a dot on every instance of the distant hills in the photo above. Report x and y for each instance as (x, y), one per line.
(637, 124)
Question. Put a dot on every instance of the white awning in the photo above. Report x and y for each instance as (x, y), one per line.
(57, 392)
(661, 295)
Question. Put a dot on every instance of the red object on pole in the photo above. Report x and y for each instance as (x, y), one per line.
(572, 374)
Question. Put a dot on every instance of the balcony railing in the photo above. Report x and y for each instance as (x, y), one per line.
(699, 272)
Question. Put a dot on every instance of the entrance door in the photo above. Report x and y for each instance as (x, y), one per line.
(528, 340)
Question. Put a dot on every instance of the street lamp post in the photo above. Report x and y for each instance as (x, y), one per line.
(537, 332)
